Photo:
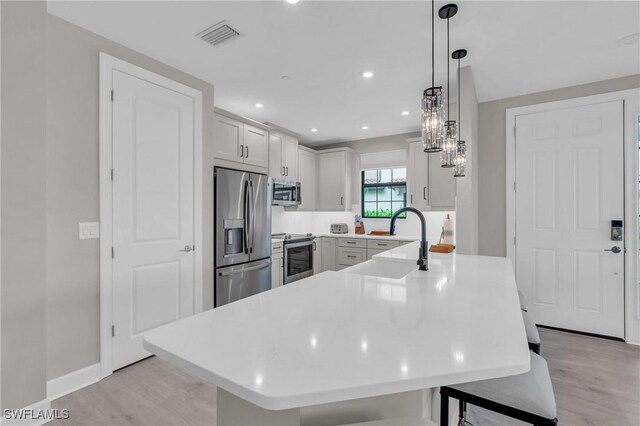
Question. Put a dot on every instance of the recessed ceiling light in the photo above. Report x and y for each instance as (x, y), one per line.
(405, 112)
(292, 1)
(367, 74)
(314, 130)
(364, 127)
(259, 105)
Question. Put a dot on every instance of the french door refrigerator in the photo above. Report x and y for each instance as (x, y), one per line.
(242, 233)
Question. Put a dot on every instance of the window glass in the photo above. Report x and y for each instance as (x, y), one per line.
(384, 191)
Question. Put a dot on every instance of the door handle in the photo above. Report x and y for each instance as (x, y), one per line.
(241, 150)
(187, 249)
(614, 249)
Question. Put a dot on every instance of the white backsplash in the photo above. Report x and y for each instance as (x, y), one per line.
(296, 222)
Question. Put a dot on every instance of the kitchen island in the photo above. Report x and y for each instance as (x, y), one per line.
(378, 328)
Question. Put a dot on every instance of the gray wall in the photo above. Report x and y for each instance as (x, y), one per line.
(23, 204)
(73, 288)
(492, 156)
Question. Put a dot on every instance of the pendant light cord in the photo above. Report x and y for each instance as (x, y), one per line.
(448, 88)
(433, 55)
(459, 119)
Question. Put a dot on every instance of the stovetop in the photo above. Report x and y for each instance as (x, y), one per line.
(293, 237)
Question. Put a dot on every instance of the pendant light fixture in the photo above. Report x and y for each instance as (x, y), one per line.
(448, 153)
(460, 160)
(433, 104)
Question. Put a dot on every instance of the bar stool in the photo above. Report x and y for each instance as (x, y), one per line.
(523, 301)
(527, 397)
(533, 337)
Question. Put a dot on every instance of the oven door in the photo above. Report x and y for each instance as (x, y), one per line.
(298, 261)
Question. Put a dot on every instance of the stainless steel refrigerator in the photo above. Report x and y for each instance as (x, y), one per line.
(242, 234)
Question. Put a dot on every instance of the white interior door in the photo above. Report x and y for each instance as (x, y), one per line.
(570, 185)
(153, 211)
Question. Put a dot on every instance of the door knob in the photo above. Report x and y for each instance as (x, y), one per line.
(187, 249)
(614, 249)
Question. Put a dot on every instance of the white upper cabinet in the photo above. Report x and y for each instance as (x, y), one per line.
(228, 136)
(239, 142)
(256, 146)
(307, 176)
(430, 186)
(334, 180)
(283, 156)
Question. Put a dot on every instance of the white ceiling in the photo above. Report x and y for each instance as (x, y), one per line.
(514, 48)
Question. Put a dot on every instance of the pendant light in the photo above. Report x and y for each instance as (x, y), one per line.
(448, 153)
(460, 160)
(433, 104)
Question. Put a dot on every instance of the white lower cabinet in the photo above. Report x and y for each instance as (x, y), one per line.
(328, 251)
(277, 265)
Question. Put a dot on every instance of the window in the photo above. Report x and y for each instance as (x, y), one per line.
(384, 191)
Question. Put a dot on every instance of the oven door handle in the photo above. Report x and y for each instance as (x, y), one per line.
(300, 244)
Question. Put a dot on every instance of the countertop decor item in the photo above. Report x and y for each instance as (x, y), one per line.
(359, 224)
(380, 233)
(441, 248)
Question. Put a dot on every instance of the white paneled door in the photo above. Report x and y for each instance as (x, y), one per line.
(569, 187)
(153, 211)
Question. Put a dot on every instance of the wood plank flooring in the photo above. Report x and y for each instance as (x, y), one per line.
(596, 382)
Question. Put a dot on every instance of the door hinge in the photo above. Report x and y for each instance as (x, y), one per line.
(111, 95)
(113, 331)
(113, 253)
(111, 174)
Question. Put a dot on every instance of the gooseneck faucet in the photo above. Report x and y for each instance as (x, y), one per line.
(423, 261)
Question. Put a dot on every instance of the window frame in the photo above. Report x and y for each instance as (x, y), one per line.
(378, 185)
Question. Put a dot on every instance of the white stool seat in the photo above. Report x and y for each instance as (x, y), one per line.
(530, 327)
(400, 421)
(523, 301)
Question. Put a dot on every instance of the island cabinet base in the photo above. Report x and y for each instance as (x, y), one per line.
(234, 411)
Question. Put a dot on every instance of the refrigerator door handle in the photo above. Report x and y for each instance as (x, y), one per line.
(266, 264)
(253, 215)
(245, 213)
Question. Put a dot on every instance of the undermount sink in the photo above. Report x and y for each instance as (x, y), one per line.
(384, 269)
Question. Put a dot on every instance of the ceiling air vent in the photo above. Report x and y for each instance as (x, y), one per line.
(219, 33)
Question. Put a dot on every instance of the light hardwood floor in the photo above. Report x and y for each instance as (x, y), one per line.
(596, 382)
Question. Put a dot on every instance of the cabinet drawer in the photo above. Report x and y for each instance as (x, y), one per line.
(349, 256)
(382, 244)
(373, 252)
(352, 242)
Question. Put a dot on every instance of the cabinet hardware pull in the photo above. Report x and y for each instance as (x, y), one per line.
(424, 192)
(342, 201)
(382, 245)
(351, 242)
(411, 198)
(242, 151)
(247, 155)
(287, 170)
(352, 257)
(283, 171)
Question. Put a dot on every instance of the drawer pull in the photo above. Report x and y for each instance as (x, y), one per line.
(351, 256)
(351, 242)
(382, 245)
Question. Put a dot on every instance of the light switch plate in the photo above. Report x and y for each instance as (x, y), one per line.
(88, 230)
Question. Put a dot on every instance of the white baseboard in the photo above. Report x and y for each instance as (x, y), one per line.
(73, 381)
(35, 408)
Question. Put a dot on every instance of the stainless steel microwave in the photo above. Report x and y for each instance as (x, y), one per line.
(286, 193)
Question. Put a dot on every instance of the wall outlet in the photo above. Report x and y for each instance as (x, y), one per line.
(88, 230)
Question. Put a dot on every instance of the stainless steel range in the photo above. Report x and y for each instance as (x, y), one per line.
(298, 255)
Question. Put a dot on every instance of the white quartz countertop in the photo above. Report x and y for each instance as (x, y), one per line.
(367, 236)
(352, 334)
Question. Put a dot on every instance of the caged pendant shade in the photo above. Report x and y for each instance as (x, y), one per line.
(433, 104)
(460, 160)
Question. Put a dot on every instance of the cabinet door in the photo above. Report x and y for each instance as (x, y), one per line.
(328, 254)
(442, 185)
(419, 163)
(290, 158)
(317, 255)
(307, 179)
(228, 139)
(276, 270)
(332, 180)
(276, 170)
(256, 146)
